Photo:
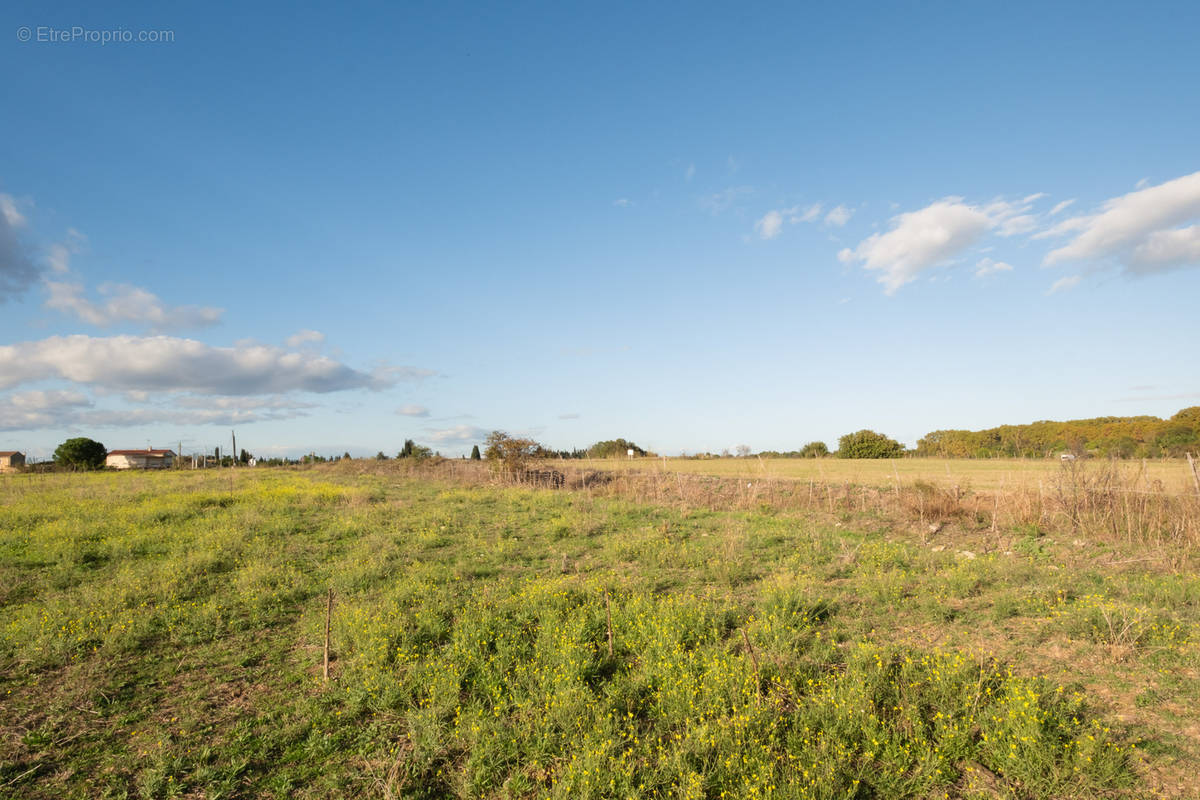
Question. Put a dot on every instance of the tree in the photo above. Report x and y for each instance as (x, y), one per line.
(475, 453)
(245, 457)
(868, 444)
(742, 450)
(381, 456)
(814, 450)
(614, 448)
(510, 454)
(80, 453)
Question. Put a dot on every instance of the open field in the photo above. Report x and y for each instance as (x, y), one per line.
(983, 473)
(162, 636)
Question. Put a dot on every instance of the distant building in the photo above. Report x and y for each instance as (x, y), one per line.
(11, 461)
(140, 459)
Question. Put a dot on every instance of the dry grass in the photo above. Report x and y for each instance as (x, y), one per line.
(982, 474)
(1120, 503)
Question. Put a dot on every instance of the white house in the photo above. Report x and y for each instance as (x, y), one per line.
(140, 459)
(11, 461)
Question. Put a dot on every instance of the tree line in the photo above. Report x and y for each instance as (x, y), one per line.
(1106, 437)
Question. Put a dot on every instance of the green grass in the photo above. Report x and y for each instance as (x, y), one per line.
(162, 636)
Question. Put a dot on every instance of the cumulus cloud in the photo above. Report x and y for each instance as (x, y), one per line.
(304, 336)
(838, 216)
(1064, 284)
(121, 303)
(920, 240)
(39, 409)
(459, 434)
(17, 270)
(987, 266)
(1140, 230)
(413, 411)
(164, 363)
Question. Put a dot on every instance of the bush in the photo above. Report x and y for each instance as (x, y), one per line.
(614, 448)
(510, 454)
(814, 450)
(80, 453)
(868, 444)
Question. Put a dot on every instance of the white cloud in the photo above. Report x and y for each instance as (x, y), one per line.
(622, 202)
(413, 411)
(1018, 224)
(17, 270)
(568, 416)
(1164, 249)
(458, 435)
(168, 364)
(1064, 284)
(690, 172)
(920, 240)
(838, 216)
(769, 226)
(1137, 230)
(58, 257)
(987, 266)
(1033, 198)
(723, 200)
(121, 303)
(1061, 206)
(772, 222)
(304, 336)
(809, 214)
(39, 409)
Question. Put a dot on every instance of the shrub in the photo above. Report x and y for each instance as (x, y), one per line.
(814, 450)
(868, 444)
(510, 454)
(614, 448)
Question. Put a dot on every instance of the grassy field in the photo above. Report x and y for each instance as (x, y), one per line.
(984, 473)
(162, 636)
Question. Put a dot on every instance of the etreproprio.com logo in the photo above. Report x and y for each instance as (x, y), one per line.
(79, 34)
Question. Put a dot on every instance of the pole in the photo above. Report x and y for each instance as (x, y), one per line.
(328, 614)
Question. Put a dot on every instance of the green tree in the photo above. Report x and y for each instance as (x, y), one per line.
(614, 448)
(814, 450)
(381, 456)
(80, 453)
(244, 457)
(868, 444)
(475, 453)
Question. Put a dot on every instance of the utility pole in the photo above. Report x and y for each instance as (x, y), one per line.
(235, 452)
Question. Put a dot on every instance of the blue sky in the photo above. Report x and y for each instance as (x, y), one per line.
(691, 226)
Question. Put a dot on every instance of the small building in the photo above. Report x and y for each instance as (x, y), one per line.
(140, 459)
(11, 461)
